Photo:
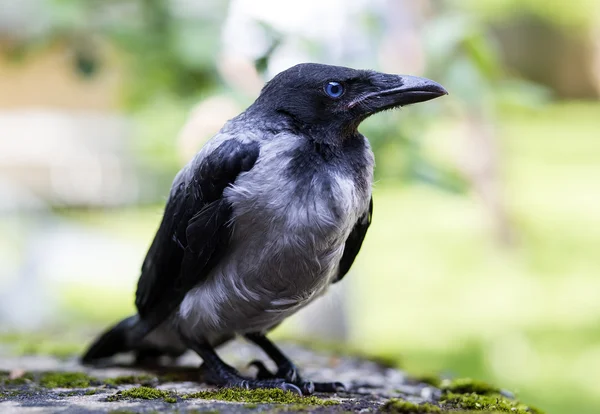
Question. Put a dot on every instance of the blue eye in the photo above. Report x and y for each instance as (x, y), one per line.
(334, 89)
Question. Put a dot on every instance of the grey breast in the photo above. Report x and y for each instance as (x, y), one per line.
(288, 238)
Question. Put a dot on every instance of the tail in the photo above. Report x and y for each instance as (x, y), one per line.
(119, 338)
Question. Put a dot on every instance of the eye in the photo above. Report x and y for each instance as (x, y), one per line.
(334, 89)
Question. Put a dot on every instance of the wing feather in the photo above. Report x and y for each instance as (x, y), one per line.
(194, 232)
(354, 242)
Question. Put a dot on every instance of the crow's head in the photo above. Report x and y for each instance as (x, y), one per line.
(332, 101)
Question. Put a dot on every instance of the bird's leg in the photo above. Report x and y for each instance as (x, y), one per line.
(225, 375)
(286, 368)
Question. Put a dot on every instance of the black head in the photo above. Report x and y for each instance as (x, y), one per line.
(331, 101)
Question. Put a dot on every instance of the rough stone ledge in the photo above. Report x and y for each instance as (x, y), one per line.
(370, 385)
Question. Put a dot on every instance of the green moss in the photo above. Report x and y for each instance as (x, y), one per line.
(131, 380)
(467, 386)
(66, 380)
(144, 393)
(91, 392)
(259, 396)
(430, 379)
(51, 379)
(478, 402)
(396, 405)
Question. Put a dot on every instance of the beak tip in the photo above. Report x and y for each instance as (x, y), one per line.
(437, 88)
(424, 85)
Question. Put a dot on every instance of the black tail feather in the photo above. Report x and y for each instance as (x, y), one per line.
(115, 340)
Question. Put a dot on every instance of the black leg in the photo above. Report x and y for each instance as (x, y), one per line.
(219, 373)
(286, 368)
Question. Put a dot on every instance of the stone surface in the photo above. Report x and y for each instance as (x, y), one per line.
(369, 384)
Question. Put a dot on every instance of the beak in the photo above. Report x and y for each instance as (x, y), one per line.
(393, 90)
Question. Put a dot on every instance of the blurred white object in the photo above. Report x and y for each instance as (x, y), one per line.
(71, 158)
(336, 25)
(204, 121)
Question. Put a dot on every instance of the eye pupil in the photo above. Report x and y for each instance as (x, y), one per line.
(334, 89)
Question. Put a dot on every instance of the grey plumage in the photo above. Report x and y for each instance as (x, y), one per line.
(268, 215)
(287, 239)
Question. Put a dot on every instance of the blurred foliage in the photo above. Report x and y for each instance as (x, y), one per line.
(462, 55)
(170, 60)
(574, 15)
(446, 298)
(167, 51)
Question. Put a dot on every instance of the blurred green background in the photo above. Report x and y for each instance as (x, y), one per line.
(482, 259)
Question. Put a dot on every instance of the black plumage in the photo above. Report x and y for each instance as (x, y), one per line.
(271, 212)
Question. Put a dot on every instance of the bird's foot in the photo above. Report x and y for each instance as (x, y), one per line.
(250, 384)
(289, 373)
(230, 378)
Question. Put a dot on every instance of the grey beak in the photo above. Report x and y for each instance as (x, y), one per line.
(394, 90)
(414, 90)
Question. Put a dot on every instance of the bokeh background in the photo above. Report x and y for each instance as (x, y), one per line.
(483, 259)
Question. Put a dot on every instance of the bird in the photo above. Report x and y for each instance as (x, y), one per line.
(267, 215)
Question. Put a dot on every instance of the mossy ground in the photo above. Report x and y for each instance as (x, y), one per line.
(458, 385)
(51, 379)
(458, 394)
(144, 393)
(259, 396)
(468, 385)
(463, 394)
(463, 403)
(395, 405)
(254, 397)
(67, 380)
(472, 395)
(476, 402)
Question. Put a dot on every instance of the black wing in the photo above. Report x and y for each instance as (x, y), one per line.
(355, 240)
(194, 232)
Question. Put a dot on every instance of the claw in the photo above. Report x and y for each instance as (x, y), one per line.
(308, 387)
(286, 386)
